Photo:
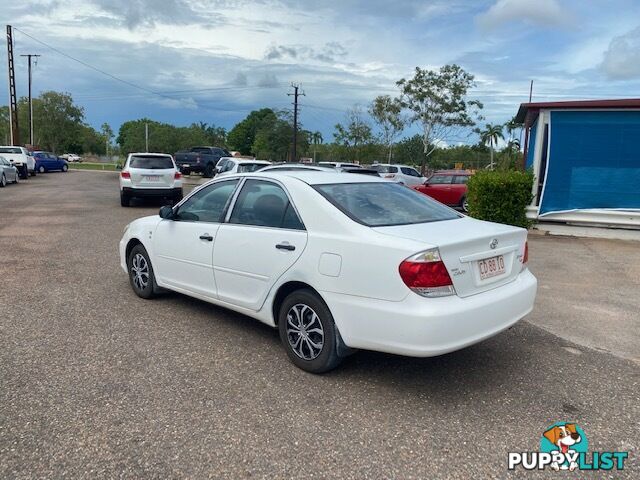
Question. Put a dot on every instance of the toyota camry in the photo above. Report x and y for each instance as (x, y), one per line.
(337, 262)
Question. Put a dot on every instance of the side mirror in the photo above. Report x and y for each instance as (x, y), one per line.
(166, 212)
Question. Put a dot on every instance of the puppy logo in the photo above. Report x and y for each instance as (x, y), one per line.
(566, 439)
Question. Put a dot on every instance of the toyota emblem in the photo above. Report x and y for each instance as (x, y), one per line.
(494, 244)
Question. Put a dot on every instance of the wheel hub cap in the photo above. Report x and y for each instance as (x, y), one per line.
(140, 271)
(304, 331)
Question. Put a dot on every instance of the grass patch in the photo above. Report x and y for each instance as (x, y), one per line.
(93, 166)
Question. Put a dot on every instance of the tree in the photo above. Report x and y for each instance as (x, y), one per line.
(316, 139)
(437, 101)
(243, 135)
(387, 113)
(107, 133)
(58, 120)
(490, 136)
(273, 138)
(355, 133)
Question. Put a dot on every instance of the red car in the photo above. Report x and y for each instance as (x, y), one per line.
(448, 187)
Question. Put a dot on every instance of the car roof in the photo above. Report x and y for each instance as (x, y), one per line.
(452, 172)
(149, 154)
(318, 178)
(262, 162)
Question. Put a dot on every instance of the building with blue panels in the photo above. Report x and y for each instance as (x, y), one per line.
(585, 156)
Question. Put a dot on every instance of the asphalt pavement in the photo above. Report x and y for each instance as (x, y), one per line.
(98, 383)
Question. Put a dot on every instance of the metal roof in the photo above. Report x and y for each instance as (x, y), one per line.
(529, 111)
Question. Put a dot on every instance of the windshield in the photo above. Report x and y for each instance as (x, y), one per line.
(151, 162)
(249, 167)
(10, 150)
(384, 204)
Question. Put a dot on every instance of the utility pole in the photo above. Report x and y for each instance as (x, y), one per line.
(13, 99)
(29, 56)
(295, 94)
(146, 137)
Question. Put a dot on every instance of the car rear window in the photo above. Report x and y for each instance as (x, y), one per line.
(384, 204)
(151, 162)
(10, 150)
(249, 167)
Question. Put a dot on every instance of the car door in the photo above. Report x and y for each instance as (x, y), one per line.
(439, 188)
(458, 188)
(262, 239)
(411, 176)
(183, 245)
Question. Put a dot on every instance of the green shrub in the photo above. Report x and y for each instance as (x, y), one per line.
(500, 196)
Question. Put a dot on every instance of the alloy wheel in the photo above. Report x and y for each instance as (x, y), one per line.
(465, 205)
(140, 271)
(304, 332)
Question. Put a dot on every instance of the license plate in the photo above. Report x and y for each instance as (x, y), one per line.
(491, 267)
(151, 178)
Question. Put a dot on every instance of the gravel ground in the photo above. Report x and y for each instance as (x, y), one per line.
(97, 383)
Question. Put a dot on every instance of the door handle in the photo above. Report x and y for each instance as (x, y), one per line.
(285, 246)
(206, 237)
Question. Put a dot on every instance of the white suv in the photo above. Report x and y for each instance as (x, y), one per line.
(150, 175)
(403, 174)
(20, 158)
(229, 165)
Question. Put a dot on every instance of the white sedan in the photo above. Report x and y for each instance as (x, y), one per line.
(336, 262)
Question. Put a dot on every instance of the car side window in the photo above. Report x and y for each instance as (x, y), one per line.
(460, 179)
(410, 171)
(265, 204)
(208, 204)
(440, 179)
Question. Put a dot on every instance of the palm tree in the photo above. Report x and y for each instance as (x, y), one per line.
(316, 139)
(490, 136)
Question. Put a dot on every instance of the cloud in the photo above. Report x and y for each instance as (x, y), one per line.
(622, 59)
(268, 80)
(331, 52)
(539, 12)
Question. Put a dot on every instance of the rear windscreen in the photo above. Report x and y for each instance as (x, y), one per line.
(249, 167)
(384, 204)
(386, 169)
(151, 162)
(10, 150)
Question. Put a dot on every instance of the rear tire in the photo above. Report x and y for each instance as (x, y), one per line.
(124, 200)
(464, 204)
(24, 172)
(41, 169)
(308, 332)
(209, 170)
(141, 276)
(33, 173)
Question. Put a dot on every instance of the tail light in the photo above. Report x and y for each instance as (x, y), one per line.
(177, 176)
(125, 174)
(426, 274)
(525, 256)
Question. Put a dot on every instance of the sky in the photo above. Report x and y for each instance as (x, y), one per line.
(216, 60)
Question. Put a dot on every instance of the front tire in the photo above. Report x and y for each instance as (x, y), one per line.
(17, 179)
(308, 332)
(65, 168)
(32, 173)
(3, 181)
(141, 276)
(209, 170)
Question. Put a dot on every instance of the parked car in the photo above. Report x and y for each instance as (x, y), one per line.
(8, 172)
(403, 174)
(295, 252)
(200, 160)
(448, 187)
(231, 165)
(338, 164)
(359, 171)
(71, 157)
(20, 158)
(295, 167)
(150, 175)
(47, 162)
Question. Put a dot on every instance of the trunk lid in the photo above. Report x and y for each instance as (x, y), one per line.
(152, 178)
(464, 243)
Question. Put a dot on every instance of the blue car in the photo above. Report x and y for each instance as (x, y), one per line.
(46, 162)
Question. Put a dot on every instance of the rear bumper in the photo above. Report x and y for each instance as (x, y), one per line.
(198, 168)
(152, 192)
(425, 327)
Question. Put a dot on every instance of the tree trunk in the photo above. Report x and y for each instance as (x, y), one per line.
(389, 158)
